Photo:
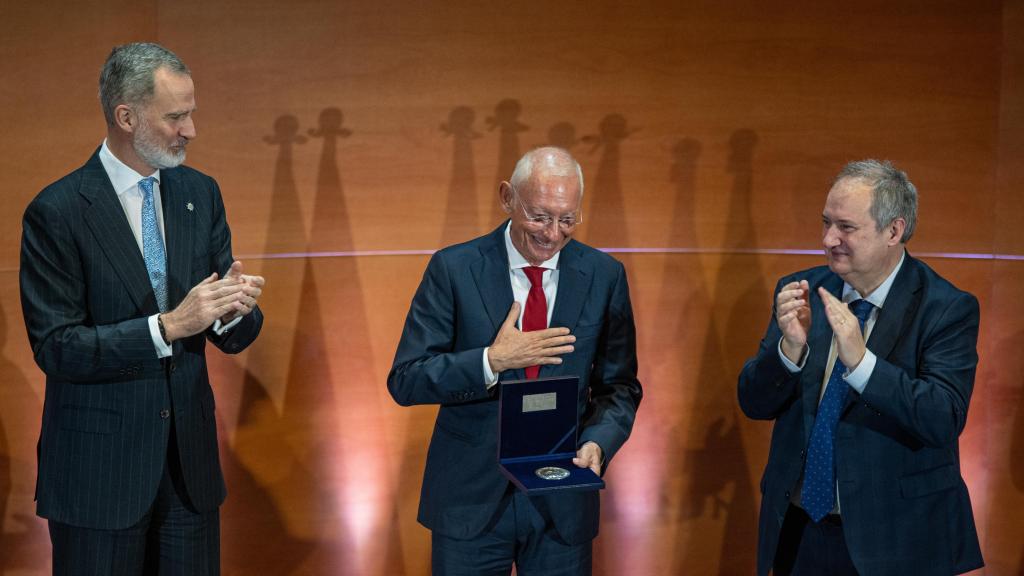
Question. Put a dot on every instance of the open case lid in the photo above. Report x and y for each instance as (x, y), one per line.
(538, 417)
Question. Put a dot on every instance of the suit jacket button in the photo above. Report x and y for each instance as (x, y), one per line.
(173, 367)
(787, 494)
(165, 413)
(803, 454)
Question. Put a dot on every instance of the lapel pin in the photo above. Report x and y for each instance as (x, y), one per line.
(189, 206)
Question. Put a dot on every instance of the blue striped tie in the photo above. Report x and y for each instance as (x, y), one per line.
(153, 244)
(818, 496)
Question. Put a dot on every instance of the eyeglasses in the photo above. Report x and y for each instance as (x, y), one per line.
(541, 221)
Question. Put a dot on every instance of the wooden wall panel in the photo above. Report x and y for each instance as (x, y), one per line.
(341, 131)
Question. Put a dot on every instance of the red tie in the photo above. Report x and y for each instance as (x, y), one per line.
(535, 316)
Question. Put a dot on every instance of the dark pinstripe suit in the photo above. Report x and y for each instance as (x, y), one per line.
(110, 401)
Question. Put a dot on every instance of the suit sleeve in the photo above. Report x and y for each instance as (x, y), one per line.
(427, 369)
(239, 336)
(766, 387)
(65, 342)
(932, 404)
(615, 391)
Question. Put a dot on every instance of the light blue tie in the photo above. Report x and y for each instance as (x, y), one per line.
(818, 496)
(153, 244)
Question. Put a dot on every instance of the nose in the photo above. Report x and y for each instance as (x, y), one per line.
(551, 231)
(188, 129)
(829, 237)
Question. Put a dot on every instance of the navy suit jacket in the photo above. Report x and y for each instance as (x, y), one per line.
(110, 401)
(464, 297)
(904, 504)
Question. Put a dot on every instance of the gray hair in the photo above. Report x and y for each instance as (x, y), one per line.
(892, 194)
(127, 75)
(553, 160)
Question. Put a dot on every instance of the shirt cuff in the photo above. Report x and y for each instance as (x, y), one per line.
(794, 368)
(163, 349)
(858, 379)
(220, 328)
(490, 378)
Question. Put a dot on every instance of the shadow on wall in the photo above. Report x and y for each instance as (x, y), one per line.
(720, 500)
(256, 534)
(461, 220)
(506, 120)
(1007, 350)
(604, 218)
(24, 543)
(563, 135)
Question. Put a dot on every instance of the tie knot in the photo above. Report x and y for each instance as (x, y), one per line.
(146, 185)
(535, 274)
(861, 309)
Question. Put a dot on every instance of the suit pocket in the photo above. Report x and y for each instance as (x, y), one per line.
(929, 482)
(91, 420)
(582, 331)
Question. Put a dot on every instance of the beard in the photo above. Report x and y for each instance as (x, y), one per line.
(149, 148)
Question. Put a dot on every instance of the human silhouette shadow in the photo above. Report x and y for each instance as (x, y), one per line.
(24, 543)
(286, 231)
(506, 120)
(461, 218)
(330, 230)
(562, 135)
(334, 305)
(719, 467)
(256, 537)
(604, 218)
(1007, 355)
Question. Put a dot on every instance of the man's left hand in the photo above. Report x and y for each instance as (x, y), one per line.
(251, 290)
(849, 339)
(589, 456)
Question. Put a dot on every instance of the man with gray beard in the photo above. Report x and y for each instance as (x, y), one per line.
(126, 273)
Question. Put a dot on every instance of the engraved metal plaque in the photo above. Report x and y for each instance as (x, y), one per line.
(540, 402)
(552, 473)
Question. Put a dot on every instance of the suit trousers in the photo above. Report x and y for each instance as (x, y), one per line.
(809, 548)
(171, 539)
(518, 535)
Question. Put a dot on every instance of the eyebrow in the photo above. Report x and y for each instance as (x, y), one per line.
(839, 221)
(179, 113)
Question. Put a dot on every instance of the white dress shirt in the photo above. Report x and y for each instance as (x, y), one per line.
(125, 181)
(521, 289)
(858, 378)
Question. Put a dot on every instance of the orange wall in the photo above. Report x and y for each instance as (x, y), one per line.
(710, 127)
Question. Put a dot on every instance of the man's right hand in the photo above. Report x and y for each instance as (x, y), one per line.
(204, 303)
(513, 348)
(793, 315)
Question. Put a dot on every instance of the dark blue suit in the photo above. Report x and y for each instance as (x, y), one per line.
(110, 401)
(905, 507)
(464, 297)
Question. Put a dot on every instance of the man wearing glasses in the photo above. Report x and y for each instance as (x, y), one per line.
(524, 301)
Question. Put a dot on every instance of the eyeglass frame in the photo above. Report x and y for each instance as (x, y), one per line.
(542, 221)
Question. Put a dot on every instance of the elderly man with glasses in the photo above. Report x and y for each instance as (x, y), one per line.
(524, 301)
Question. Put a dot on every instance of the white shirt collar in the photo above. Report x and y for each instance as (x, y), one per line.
(122, 177)
(879, 295)
(516, 260)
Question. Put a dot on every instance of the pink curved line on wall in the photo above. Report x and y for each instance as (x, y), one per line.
(665, 250)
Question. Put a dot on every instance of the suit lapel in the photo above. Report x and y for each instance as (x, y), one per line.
(820, 342)
(574, 280)
(178, 234)
(898, 311)
(106, 219)
(490, 273)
